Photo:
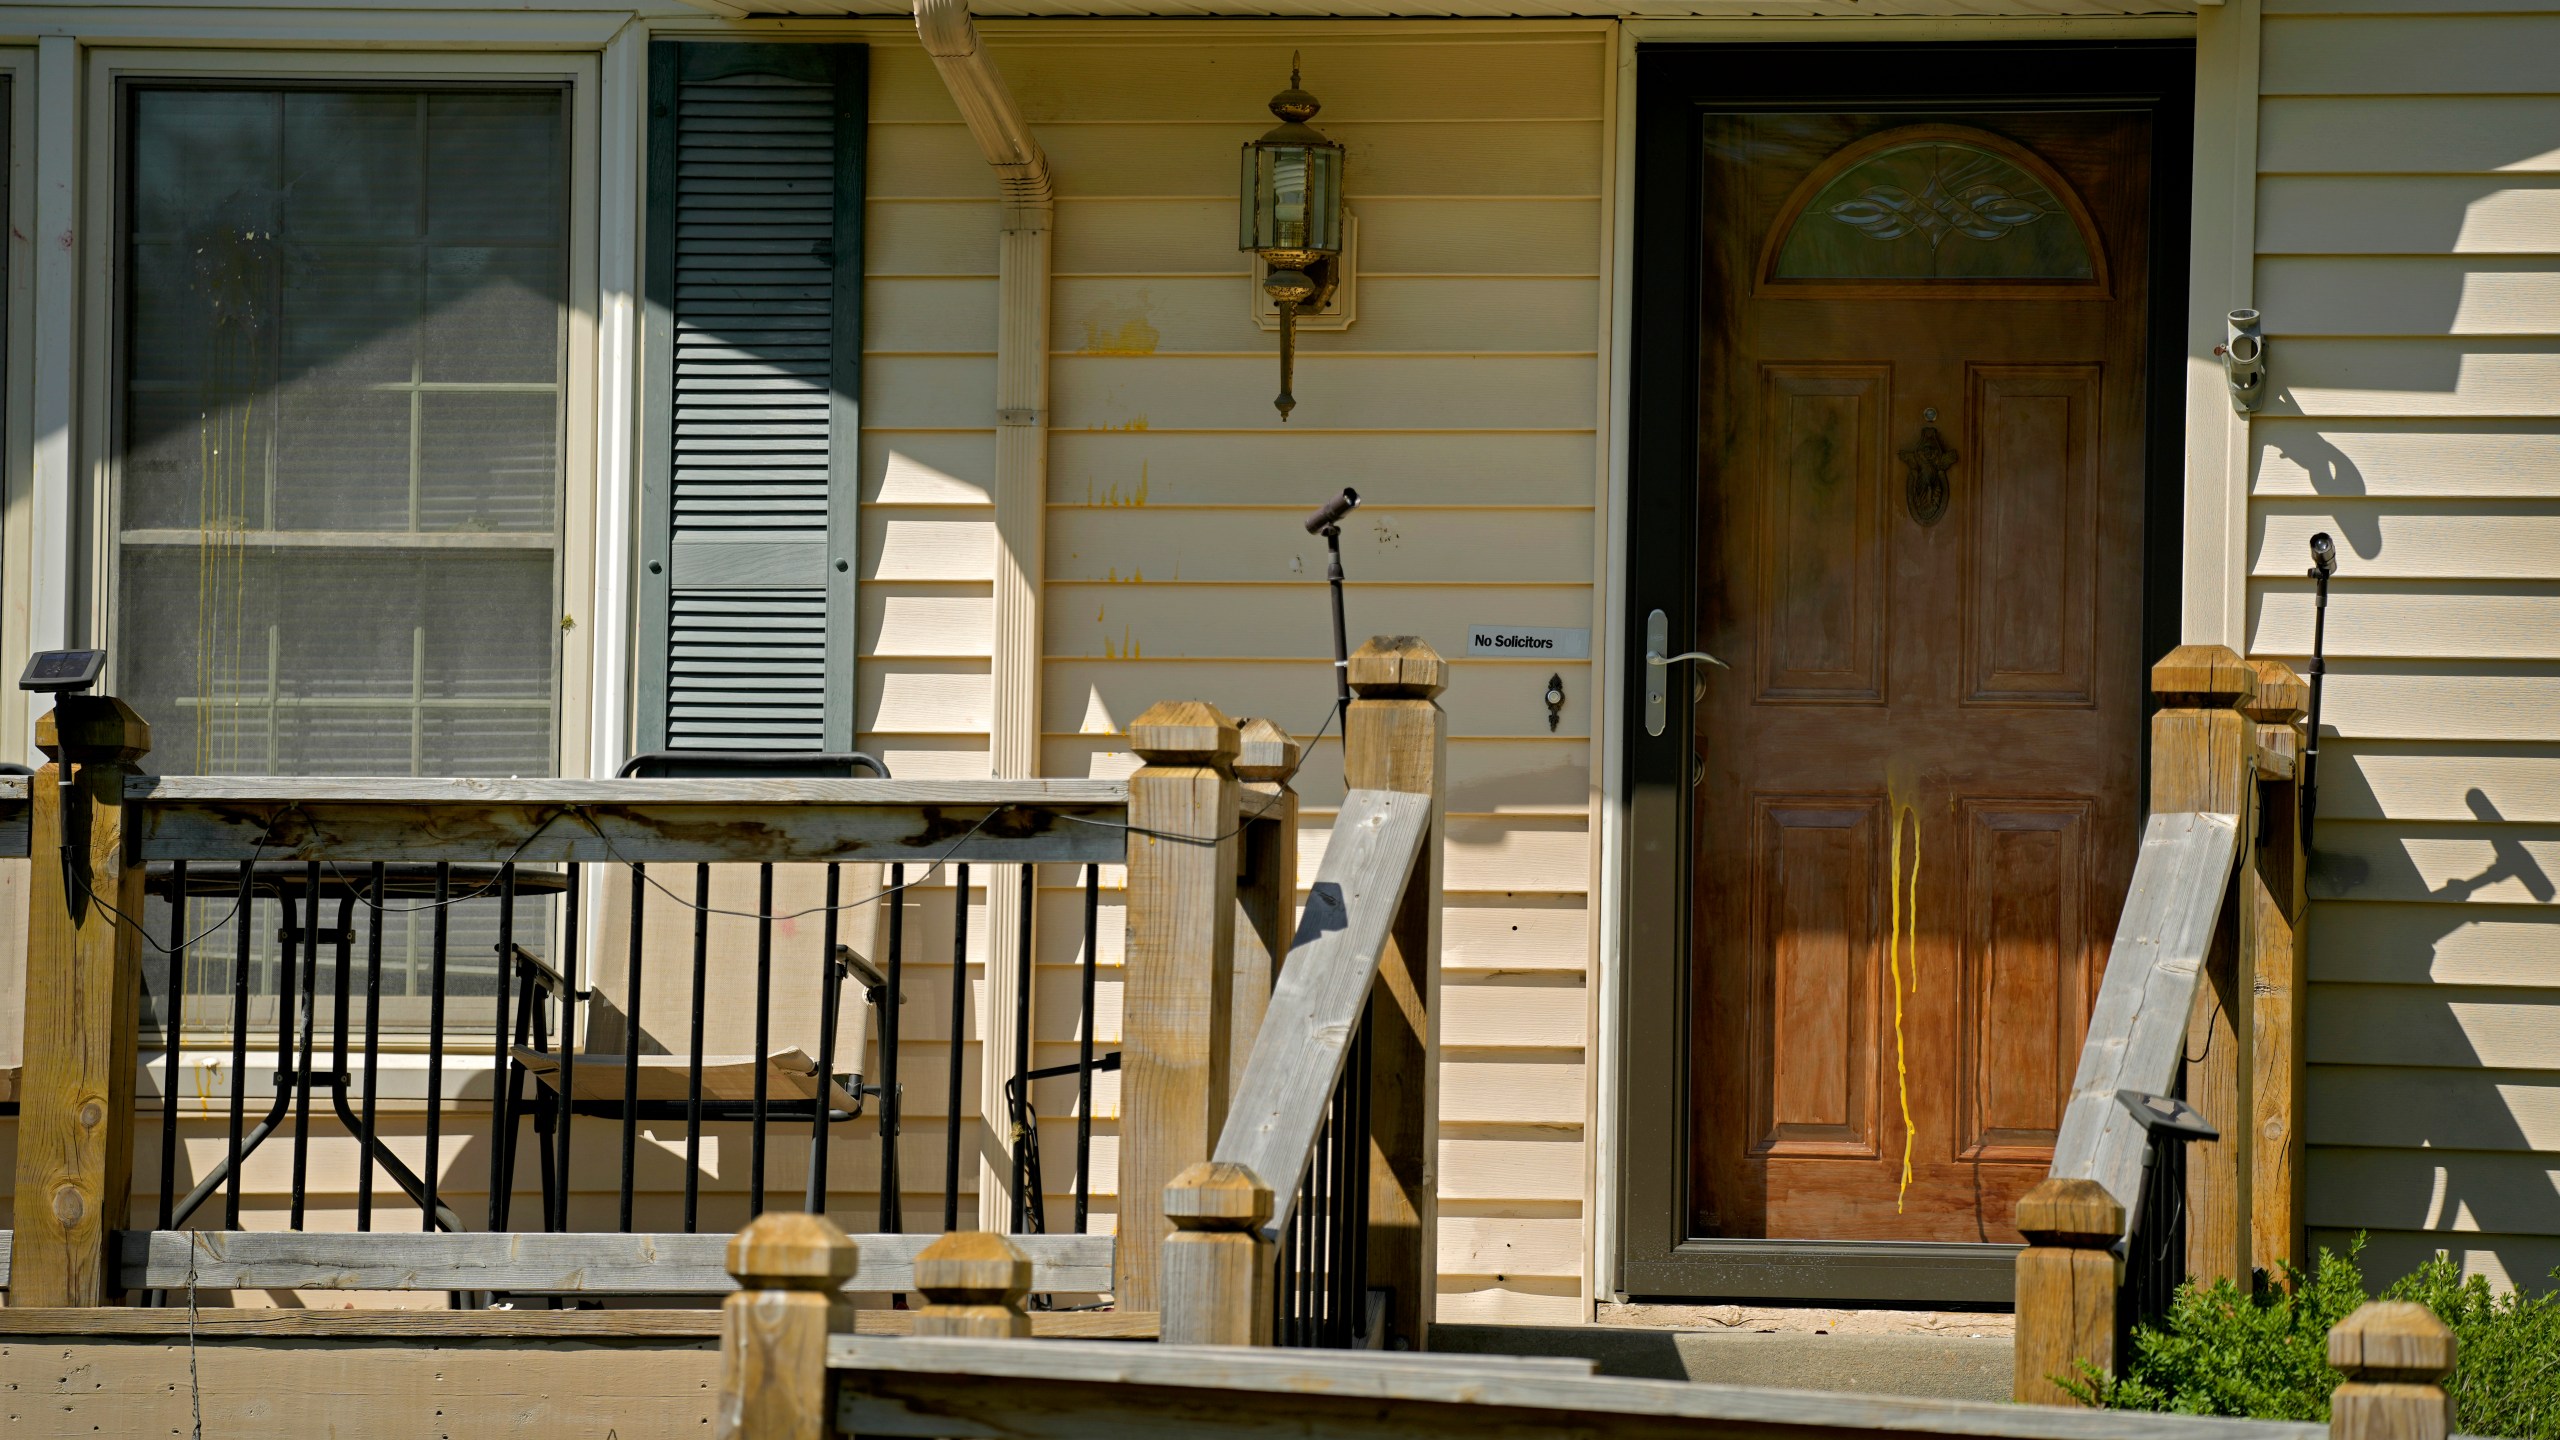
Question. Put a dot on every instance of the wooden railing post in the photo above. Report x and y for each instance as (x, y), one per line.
(83, 1006)
(1397, 738)
(2279, 942)
(2396, 1355)
(2066, 1288)
(790, 1270)
(973, 1282)
(1267, 888)
(1177, 987)
(1217, 1266)
(2203, 757)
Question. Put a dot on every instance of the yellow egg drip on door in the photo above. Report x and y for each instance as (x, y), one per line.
(1893, 945)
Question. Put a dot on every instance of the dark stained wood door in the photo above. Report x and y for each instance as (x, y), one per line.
(1921, 476)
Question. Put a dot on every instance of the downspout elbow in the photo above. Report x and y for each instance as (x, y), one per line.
(988, 108)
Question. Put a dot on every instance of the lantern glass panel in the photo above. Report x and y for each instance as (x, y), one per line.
(1293, 198)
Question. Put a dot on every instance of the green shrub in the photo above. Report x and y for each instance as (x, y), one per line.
(2265, 1355)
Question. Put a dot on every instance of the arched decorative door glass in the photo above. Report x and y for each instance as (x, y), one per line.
(1934, 204)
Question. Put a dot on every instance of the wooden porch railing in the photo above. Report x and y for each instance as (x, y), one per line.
(2202, 999)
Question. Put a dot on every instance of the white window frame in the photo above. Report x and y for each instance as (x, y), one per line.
(95, 506)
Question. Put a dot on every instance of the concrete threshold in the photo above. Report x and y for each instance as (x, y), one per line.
(1950, 1365)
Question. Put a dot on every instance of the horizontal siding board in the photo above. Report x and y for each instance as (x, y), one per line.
(927, 545)
(928, 468)
(1484, 853)
(2409, 54)
(1335, 392)
(1410, 314)
(2417, 943)
(2408, 459)
(2441, 699)
(2408, 295)
(1517, 1300)
(2403, 780)
(2452, 1192)
(2435, 539)
(1399, 235)
(1531, 74)
(952, 697)
(2415, 377)
(898, 621)
(1485, 700)
(1505, 1245)
(2410, 619)
(2452, 864)
(2446, 1109)
(1534, 775)
(2504, 1260)
(1493, 157)
(2430, 215)
(1301, 469)
(2410, 135)
(921, 315)
(1502, 1165)
(1511, 1092)
(930, 392)
(1168, 621)
(2497, 1028)
(1379, 541)
(1499, 1014)
(929, 237)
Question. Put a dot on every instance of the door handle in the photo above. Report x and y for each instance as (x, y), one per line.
(1657, 670)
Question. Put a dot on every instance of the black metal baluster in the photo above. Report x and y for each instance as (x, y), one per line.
(170, 1026)
(546, 1120)
(527, 1035)
(1084, 1049)
(630, 1052)
(372, 1047)
(764, 1038)
(814, 1200)
(1357, 1212)
(569, 999)
(1021, 1120)
(693, 1071)
(501, 1113)
(245, 916)
(433, 1175)
(893, 1208)
(302, 1076)
(287, 977)
(959, 1036)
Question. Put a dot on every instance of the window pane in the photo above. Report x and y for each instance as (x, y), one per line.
(342, 457)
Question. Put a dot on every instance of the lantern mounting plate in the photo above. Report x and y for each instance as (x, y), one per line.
(1341, 303)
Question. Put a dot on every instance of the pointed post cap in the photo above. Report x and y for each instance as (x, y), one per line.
(2204, 677)
(1266, 753)
(2283, 696)
(792, 1251)
(1217, 1195)
(1397, 667)
(98, 729)
(973, 1267)
(1184, 732)
(2074, 1214)
(2393, 1340)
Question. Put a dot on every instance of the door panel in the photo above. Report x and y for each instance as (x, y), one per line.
(1920, 481)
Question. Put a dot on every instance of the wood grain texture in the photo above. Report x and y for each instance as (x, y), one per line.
(2138, 1030)
(774, 1383)
(534, 1263)
(1267, 887)
(1396, 738)
(1178, 977)
(83, 1000)
(1218, 1269)
(1327, 979)
(424, 1327)
(2272, 885)
(1083, 1390)
(2396, 1355)
(2066, 1318)
(974, 1283)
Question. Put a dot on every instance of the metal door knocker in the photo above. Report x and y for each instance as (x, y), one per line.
(1925, 488)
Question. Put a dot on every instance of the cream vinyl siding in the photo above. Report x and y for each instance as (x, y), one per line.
(2408, 236)
(1463, 404)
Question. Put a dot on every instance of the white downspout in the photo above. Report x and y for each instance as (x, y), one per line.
(1021, 500)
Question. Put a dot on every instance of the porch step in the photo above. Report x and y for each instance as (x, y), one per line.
(1940, 1366)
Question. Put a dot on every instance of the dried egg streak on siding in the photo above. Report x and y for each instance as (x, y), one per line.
(2409, 269)
(1464, 402)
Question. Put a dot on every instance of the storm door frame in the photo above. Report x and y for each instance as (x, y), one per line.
(1678, 84)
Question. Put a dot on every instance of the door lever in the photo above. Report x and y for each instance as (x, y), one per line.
(1657, 664)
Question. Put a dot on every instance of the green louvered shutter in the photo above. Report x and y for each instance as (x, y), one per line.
(752, 377)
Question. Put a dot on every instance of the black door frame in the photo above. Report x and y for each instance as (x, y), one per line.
(1675, 86)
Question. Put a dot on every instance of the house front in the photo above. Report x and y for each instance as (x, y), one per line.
(423, 390)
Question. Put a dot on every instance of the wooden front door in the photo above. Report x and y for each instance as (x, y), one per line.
(1921, 496)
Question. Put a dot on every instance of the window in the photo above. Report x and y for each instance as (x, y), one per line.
(1934, 203)
(344, 382)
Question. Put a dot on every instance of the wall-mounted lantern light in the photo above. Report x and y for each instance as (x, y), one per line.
(1290, 213)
